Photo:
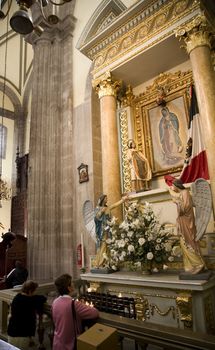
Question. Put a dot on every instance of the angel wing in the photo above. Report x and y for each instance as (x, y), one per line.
(202, 199)
(88, 215)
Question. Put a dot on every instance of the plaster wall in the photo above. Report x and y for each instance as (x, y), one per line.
(7, 173)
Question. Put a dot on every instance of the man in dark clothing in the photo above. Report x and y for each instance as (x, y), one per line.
(17, 276)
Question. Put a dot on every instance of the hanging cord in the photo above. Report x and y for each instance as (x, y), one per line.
(3, 186)
(3, 91)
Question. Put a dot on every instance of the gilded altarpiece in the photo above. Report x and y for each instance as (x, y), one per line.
(161, 124)
(162, 138)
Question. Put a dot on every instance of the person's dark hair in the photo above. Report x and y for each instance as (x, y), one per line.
(29, 287)
(164, 110)
(101, 200)
(179, 184)
(18, 264)
(62, 283)
(131, 143)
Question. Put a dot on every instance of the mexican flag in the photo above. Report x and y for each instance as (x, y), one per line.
(195, 164)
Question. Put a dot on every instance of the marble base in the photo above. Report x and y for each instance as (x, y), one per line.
(163, 298)
(102, 270)
(199, 276)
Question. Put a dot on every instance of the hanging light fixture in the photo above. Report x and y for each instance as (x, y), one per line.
(5, 191)
(21, 21)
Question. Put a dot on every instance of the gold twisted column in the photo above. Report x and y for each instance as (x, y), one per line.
(106, 88)
(197, 36)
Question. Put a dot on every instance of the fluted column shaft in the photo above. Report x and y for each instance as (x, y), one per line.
(106, 89)
(197, 42)
(51, 245)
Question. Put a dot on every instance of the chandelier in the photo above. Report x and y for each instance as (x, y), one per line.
(21, 21)
(5, 191)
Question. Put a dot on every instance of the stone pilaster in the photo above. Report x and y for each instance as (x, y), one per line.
(106, 88)
(196, 36)
(51, 241)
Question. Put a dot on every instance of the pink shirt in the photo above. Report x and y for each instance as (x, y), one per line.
(64, 333)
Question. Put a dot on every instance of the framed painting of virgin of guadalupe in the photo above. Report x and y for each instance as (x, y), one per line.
(164, 130)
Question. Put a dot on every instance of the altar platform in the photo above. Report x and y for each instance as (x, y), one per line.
(162, 298)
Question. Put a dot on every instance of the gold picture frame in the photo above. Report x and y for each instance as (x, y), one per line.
(161, 125)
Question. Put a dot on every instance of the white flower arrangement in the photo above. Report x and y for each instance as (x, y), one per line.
(140, 239)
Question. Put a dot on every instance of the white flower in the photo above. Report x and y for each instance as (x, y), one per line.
(150, 238)
(157, 247)
(121, 243)
(168, 247)
(113, 252)
(122, 256)
(113, 221)
(124, 225)
(176, 251)
(158, 240)
(170, 258)
(114, 267)
(138, 264)
(108, 241)
(141, 241)
(165, 267)
(131, 248)
(130, 233)
(150, 256)
(155, 269)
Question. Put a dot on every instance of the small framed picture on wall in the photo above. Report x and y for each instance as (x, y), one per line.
(83, 173)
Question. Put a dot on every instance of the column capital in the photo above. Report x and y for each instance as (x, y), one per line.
(105, 85)
(197, 32)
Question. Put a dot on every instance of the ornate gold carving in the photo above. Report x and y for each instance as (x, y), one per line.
(142, 308)
(142, 32)
(173, 84)
(209, 315)
(212, 243)
(139, 31)
(126, 42)
(99, 60)
(95, 286)
(160, 20)
(195, 33)
(112, 52)
(123, 121)
(105, 85)
(154, 308)
(127, 100)
(180, 7)
(184, 304)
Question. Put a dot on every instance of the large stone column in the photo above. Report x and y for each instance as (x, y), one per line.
(51, 239)
(106, 88)
(196, 36)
